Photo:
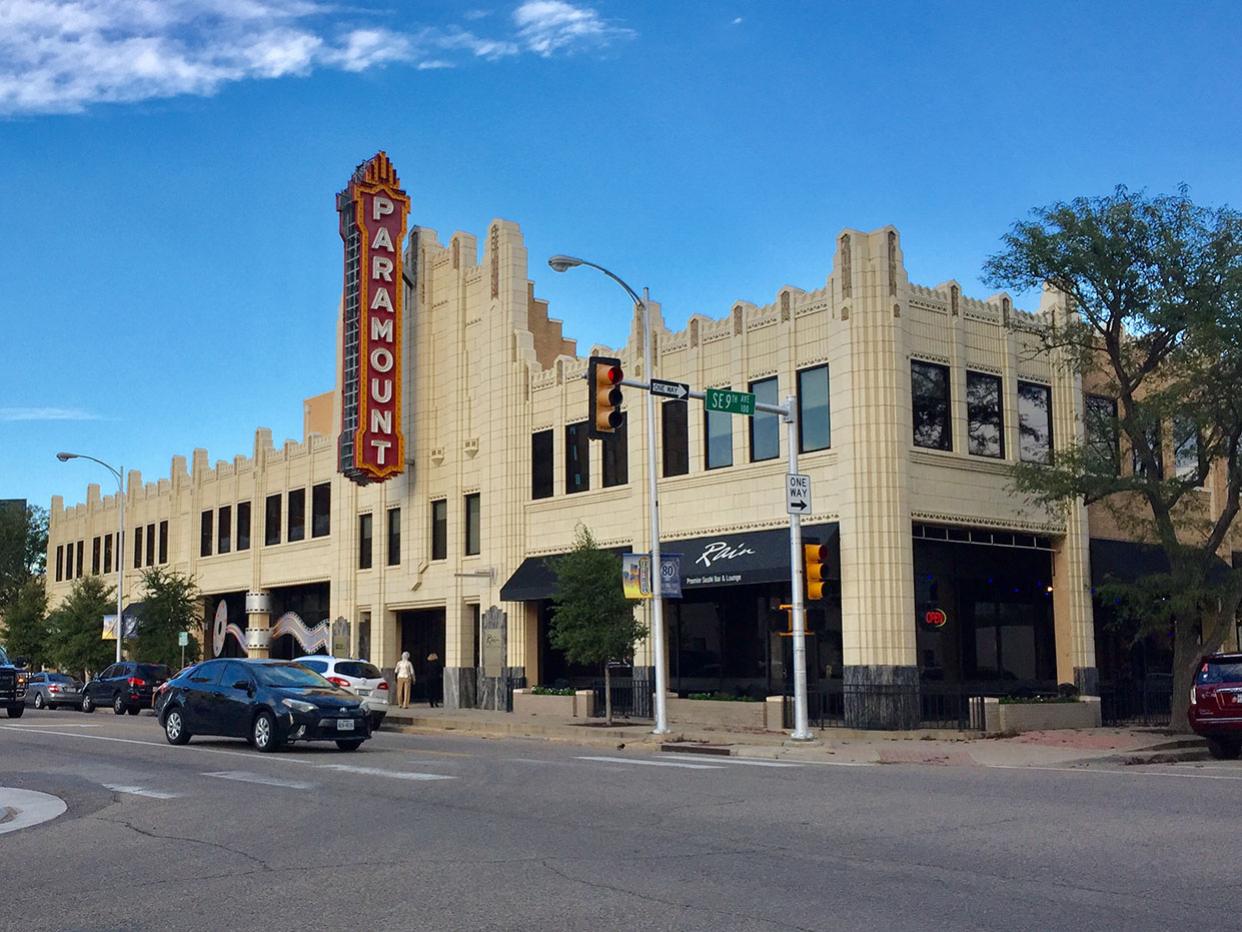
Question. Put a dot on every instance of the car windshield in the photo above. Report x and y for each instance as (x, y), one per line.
(59, 678)
(1218, 672)
(4, 658)
(153, 671)
(290, 675)
(358, 668)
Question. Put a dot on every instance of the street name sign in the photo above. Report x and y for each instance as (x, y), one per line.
(677, 390)
(797, 494)
(728, 401)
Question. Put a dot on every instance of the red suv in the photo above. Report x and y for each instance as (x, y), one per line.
(1216, 704)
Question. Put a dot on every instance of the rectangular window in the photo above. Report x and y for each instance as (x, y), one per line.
(321, 510)
(205, 535)
(271, 521)
(151, 542)
(675, 434)
(985, 422)
(224, 529)
(95, 557)
(577, 458)
(1186, 460)
(929, 389)
(108, 554)
(68, 561)
(1034, 423)
(439, 529)
(814, 415)
(364, 542)
(243, 525)
(1103, 440)
(541, 464)
(616, 454)
(472, 520)
(60, 562)
(81, 563)
(394, 536)
(138, 546)
(163, 542)
(1155, 440)
(297, 514)
(718, 437)
(765, 428)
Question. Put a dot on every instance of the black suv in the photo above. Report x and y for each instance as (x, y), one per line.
(12, 687)
(127, 687)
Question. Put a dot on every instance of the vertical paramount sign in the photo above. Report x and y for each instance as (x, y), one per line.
(373, 211)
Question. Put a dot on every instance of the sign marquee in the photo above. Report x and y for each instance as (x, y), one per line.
(373, 211)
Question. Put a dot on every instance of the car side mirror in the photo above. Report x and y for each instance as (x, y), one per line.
(243, 685)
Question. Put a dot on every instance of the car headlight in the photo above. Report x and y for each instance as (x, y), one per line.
(298, 705)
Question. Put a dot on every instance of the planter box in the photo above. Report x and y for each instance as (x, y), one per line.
(578, 705)
(1040, 716)
(722, 714)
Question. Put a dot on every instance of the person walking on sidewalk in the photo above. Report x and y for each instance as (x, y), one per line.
(405, 680)
(435, 680)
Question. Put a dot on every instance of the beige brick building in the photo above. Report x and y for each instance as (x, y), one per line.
(914, 401)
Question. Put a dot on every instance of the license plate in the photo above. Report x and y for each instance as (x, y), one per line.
(364, 692)
(345, 724)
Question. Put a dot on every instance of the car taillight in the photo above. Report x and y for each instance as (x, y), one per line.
(136, 681)
(337, 681)
(53, 688)
(383, 684)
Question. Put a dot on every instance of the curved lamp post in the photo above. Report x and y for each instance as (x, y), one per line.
(120, 537)
(562, 264)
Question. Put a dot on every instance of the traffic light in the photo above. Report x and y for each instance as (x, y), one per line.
(605, 375)
(813, 557)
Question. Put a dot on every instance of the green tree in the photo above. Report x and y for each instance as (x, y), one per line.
(1155, 287)
(592, 622)
(75, 627)
(171, 604)
(23, 549)
(25, 623)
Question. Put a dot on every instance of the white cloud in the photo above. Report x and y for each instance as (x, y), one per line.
(737, 21)
(46, 414)
(549, 26)
(62, 56)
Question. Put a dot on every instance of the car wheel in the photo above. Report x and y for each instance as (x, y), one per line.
(263, 733)
(133, 710)
(174, 727)
(39, 703)
(16, 711)
(118, 705)
(1223, 748)
(349, 745)
(88, 704)
(377, 719)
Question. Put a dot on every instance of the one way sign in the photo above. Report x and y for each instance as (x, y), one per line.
(670, 389)
(798, 494)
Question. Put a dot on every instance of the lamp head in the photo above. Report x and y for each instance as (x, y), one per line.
(66, 457)
(563, 263)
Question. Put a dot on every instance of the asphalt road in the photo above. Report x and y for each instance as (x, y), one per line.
(449, 832)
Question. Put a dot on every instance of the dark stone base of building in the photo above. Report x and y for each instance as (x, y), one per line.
(493, 692)
(460, 687)
(882, 697)
(1087, 679)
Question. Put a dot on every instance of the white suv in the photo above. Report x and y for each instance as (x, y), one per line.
(359, 677)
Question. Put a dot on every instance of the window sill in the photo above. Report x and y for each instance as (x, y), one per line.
(962, 461)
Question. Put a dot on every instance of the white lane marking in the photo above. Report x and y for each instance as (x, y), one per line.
(379, 772)
(139, 791)
(249, 755)
(652, 763)
(35, 725)
(748, 762)
(245, 776)
(32, 808)
(1131, 772)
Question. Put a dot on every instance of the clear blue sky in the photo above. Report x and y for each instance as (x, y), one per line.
(171, 266)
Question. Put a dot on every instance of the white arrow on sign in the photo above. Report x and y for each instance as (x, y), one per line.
(670, 389)
(798, 494)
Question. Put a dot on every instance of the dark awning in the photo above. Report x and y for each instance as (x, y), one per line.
(717, 560)
(1125, 561)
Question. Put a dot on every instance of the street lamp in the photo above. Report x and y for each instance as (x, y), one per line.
(562, 264)
(120, 536)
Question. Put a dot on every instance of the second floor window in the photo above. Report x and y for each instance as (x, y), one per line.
(439, 529)
(577, 458)
(718, 438)
(271, 520)
(765, 428)
(985, 435)
(69, 561)
(1034, 423)
(205, 534)
(151, 543)
(473, 521)
(364, 542)
(321, 510)
(616, 456)
(297, 514)
(60, 562)
(394, 536)
(108, 554)
(675, 434)
(1103, 440)
(814, 415)
(243, 525)
(138, 546)
(929, 390)
(1186, 462)
(163, 541)
(95, 557)
(541, 464)
(224, 530)
(81, 557)
(1155, 441)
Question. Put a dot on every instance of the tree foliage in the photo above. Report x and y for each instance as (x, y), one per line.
(171, 604)
(23, 549)
(592, 621)
(25, 628)
(1155, 289)
(75, 627)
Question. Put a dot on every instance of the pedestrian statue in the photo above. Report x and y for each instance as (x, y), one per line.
(405, 680)
(435, 680)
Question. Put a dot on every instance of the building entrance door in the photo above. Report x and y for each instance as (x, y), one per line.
(422, 634)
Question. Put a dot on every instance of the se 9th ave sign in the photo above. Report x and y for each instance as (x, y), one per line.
(373, 211)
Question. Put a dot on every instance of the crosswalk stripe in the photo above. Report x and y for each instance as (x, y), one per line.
(245, 776)
(139, 791)
(380, 772)
(652, 763)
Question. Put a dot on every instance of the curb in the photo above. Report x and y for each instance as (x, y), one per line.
(26, 808)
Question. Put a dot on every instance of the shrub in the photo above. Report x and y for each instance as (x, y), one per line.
(551, 691)
(1038, 700)
(722, 697)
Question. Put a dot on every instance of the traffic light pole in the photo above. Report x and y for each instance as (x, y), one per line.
(657, 567)
(802, 731)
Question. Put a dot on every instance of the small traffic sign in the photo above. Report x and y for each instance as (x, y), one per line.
(670, 389)
(729, 402)
(797, 494)
(183, 638)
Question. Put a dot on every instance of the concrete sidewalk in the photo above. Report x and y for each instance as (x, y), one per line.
(830, 745)
(23, 808)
